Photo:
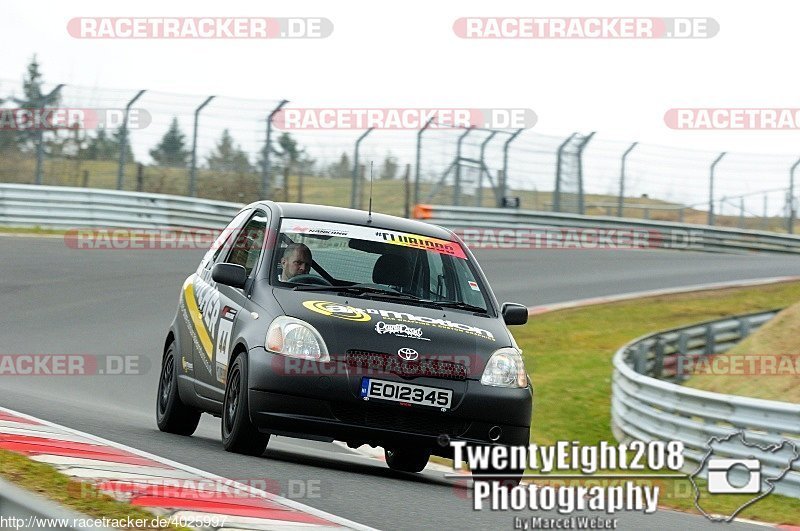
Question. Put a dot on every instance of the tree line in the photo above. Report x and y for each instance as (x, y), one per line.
(171, 151)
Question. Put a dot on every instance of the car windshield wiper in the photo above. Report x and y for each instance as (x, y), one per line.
(461, 306)
(372, 290)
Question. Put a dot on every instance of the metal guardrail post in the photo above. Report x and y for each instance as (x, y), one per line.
(123, 140)
(559, 158)
(711, 189)
(622, 178)
(40, 135)
(356, 188)
(792, 213)
(419, 159)
(457, 188)
(266, 160)
(744, 328)
(658, 362)
(193, 167)
(503, 184)
(640, 358)
(710, 345)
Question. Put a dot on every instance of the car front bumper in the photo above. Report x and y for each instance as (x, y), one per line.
(322, 401)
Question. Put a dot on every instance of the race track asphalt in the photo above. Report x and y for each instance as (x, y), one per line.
(101, 302)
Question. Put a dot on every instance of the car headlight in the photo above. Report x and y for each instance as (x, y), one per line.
(505, 369)
(297, 339)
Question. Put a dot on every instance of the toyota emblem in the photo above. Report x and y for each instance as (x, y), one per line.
(408, 354)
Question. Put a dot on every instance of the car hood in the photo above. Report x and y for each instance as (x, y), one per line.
(369, 325)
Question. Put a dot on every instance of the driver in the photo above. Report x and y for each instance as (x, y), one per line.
(296, 260)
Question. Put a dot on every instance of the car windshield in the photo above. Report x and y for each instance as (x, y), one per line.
(376, 262)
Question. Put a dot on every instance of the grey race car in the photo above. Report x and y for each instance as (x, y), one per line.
(332, 324)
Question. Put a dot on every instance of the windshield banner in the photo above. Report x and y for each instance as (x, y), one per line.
(404, 239)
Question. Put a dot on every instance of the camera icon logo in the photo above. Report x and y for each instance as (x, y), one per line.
(723, 476)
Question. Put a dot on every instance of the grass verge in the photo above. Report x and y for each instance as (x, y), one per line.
(568, 354)
(67, 492)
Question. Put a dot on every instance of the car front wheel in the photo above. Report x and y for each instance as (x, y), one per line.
(172, 415)
(238, 433)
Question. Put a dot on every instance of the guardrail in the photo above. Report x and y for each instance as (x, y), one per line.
(528, 228)
(647, 403)
(20, 509)
(62, 207)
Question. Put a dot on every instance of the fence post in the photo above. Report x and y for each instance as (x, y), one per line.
(40, 134)
(419, 156)
(266, 182)
(123, 140)
(622, 179)
(355, 196)
(503, 181)
(457, 188)
(711, 189)
(193, 167)
(790, 224)
(407, 192)
(139, 177)
(483, 167)
(557, 188)
(582, 145)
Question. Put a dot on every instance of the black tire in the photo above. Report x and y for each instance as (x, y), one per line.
(238, 433)
(407, 459)
(172, 415)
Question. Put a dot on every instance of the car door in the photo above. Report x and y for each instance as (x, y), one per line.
(205, 297)
(225, 304)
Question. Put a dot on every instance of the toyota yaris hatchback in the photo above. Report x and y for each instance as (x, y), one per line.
(331, 324)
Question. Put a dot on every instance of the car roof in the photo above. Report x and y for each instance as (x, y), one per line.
(355, 217)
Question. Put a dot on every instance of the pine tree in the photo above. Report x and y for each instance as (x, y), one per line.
(171, 151)
(33, 98)
(227, 157)
(341, 169)
(390, 166)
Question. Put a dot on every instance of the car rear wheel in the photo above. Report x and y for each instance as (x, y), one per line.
(407, 459)
(172, 415)
(238, 433)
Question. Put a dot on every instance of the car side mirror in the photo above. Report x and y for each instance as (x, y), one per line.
(232, 275)
(514, 314)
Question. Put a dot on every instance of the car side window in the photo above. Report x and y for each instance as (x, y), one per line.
(220, 245)
(249, 242)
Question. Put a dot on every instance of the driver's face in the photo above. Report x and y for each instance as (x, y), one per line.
(297, 263)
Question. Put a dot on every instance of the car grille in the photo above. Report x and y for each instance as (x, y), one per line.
(432, 368)
(391, 419)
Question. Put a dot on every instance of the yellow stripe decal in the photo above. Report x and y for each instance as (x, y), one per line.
(197, 318)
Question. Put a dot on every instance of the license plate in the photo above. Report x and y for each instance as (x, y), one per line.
(403, 392)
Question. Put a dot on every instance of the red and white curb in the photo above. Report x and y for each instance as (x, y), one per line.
(165, 487)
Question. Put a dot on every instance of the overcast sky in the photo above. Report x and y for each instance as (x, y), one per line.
(406, 54)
